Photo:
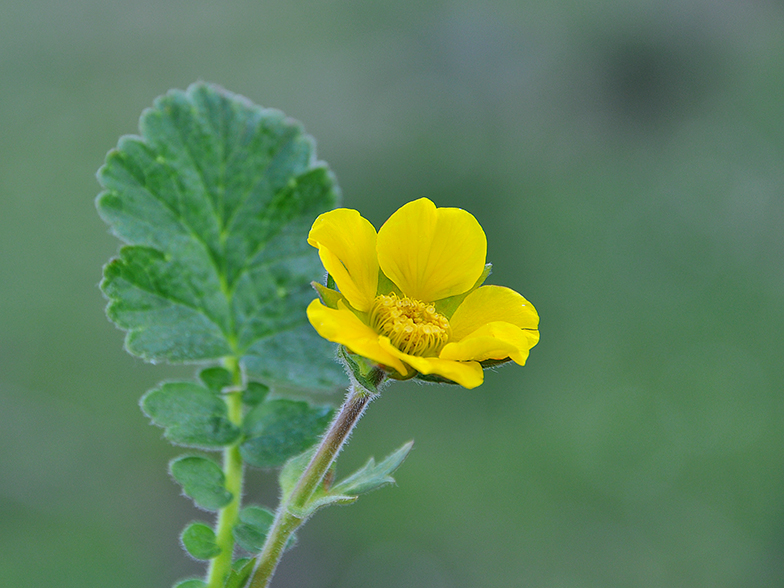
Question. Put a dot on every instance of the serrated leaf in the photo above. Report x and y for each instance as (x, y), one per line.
(199, 540)
(191, 583)
(373, 475)
(251, 532)
(202, 480)
(254, 393)
(214, 201)
(239, 573)
(216, 378)
(191, 415)
(279, 429)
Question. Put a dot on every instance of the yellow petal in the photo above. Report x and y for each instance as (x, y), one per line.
(496, 340)
(432, 253)
(344, 327)
(347, 247)
(466, 373)
(489, 304)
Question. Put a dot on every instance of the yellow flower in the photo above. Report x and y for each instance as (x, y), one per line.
(410, 298)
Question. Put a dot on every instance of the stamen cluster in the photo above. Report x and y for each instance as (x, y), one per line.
(412, 326)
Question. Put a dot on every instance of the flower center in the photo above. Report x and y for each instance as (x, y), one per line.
(412, 326)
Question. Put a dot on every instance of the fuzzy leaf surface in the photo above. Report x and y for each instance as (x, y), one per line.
(202, 480)
(253, 527)
(199, 540)
(373, 475)
(191, 415)
(216, 378)
(240, 572)
(279, 429)
(214, 201)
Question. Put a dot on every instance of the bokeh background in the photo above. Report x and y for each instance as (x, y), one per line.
(625, 159)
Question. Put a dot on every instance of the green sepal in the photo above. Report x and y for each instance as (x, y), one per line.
(191, 583)
(448, 306)
(328, 296)
(386, 286)
(491, 363)
(434, 379)
(216, 378)
(251, 532)
(198, 539)
(279, 429)
(240, 572)
(373, 475)
(365, 373)
(202, 480)
(254, 393)
(191, 415)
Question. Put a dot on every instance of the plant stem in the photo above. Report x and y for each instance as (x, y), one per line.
(220, 566)
(285, 521)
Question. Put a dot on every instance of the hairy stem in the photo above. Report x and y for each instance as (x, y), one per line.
(220, 566)
(285, 521)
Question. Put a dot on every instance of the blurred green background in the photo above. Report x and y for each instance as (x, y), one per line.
(626, 161)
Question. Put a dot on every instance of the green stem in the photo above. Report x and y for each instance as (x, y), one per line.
(220, 566)
(285, 521)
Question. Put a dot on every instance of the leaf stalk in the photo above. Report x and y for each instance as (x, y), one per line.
(220, 566)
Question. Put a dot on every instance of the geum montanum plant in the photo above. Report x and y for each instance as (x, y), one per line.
(216, 202)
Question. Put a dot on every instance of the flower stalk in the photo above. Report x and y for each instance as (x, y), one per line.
(286, 521)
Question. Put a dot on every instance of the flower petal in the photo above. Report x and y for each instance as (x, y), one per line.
(466, 373)
(432, 253)
(489, 304)
(347, 247)
(496, 340)
(344, 327)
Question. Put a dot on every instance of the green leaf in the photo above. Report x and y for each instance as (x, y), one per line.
(251, 532)
(290, 475)
(292, 471)
(216, 379)
(202, 480)
(363, 371)
(279, 429)
(199, 540)
(192, 415)
(254, 393)
(372, 476)
(191, 583)
(214, 201)
(240, 572)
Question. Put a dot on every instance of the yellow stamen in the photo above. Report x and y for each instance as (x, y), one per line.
(412, 326)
